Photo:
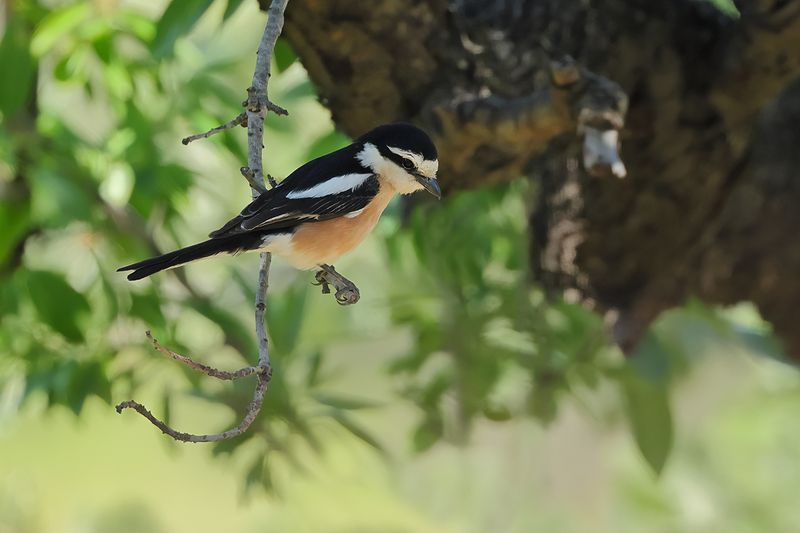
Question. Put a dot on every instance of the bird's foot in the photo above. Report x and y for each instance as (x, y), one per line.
(346, 291)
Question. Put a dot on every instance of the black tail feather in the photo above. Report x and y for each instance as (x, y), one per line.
(231, 245)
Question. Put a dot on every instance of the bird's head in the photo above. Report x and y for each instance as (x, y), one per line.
(404, 155)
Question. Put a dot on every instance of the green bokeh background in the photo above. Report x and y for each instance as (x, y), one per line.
(454, 397)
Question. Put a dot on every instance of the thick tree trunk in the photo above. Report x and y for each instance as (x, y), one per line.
(711, 138)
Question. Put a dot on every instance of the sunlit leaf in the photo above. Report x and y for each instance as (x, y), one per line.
(57, 24)
(139, 25)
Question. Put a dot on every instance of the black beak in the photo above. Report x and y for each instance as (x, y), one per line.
(430, 185)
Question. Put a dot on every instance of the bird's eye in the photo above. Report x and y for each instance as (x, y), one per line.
(408, 164)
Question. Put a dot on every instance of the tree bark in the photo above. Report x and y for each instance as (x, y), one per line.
(707, 106)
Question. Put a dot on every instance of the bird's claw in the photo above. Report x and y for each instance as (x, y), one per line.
(346, 291)
(321, 281)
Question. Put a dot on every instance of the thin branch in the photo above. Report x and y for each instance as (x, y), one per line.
(252, 411)
(205, 369)
(257, 104)
(238, 120)
(261, 308)
(257, 95)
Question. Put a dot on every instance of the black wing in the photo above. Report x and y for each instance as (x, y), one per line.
(273, 209)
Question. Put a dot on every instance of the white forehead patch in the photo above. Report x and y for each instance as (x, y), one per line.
(425, 167)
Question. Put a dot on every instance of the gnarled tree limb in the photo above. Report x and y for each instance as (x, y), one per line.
(478, 76)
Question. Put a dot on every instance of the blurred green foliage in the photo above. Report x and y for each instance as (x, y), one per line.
(92, 176)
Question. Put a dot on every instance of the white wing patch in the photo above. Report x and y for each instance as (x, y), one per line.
(335, 185)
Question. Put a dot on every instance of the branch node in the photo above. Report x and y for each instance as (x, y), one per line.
(250, 176)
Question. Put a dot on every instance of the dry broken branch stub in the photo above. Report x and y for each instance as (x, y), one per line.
(251, 179)
(254, 174)
(238, 120)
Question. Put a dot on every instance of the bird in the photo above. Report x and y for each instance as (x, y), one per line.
(325, 208)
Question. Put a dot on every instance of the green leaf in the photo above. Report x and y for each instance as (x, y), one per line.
(139, 25)
(356, 429)
(18, 65)
(57, 24)
(651, 358)
(231, 8)
(57, 303)
(57, 200)
(111, 297)
(759, 342)
(148, 307)
(9, 298)
(178, 19)
(428, 433)
(314, 365)
(15, 220)
(285, 314)
(346, 403)
(284, 55)
(649, 414)
(497, 413)
(259, 474)
(85, 379)
(228, 446)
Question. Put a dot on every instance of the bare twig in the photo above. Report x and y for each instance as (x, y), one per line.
(238, 120)
(252, 411)
(200, 367)
(251, 179)
(257, 103)
(346, 291)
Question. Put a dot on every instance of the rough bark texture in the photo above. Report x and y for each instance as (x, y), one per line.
(710, 139)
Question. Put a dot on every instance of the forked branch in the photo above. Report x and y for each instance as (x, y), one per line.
(256, 105)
